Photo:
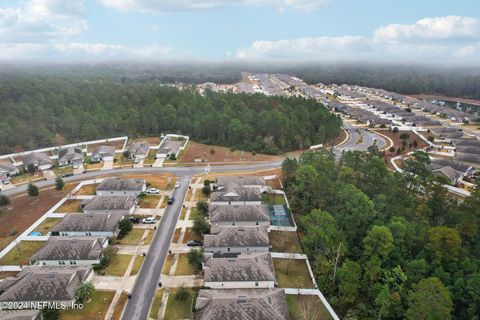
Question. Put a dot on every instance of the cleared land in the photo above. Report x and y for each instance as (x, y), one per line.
(23, 211)
(196, 152)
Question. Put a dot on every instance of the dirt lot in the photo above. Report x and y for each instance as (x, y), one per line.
(117, 144)
(152, 141)
(23, 211)
(210, 153)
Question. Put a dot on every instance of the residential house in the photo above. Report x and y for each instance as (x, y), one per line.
(120, 187)
(70, 156)
(234, 271)
(452, 170)
(236, 194)
(36, 284)
(40, 161)
(239, 215)
(6, 170)
(103, 153)
(110, 204)
(138, 150)
(170, 147)
(237, 239)
(252, 304)
(245, 181)
(63, 251)
(91, 225)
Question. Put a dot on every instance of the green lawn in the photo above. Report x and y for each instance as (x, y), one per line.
(70, 206)
(137, 265)
(96, 308)
(292, 273)
(272, 198)
(149, 202)
(183, 267)
(149, 238)
(118, 266)
(182, 214)
(164, 202)
(47, 225)
(167, 265)
(307, 307)
(133, 237)
(20, 254)
(157, 301)
(194, 214)
(190, 235)
(285, 241)
(179, 309)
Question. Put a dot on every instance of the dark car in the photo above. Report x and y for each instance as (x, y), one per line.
(134, 219)
(194, 243)
(67, 175)
(170, 200)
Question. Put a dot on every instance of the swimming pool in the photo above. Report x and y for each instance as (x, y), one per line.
(280, 216)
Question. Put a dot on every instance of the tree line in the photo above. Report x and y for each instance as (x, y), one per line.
(386, 245)
(40, 111)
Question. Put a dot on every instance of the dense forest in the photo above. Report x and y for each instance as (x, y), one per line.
(50, 110)
(386, 245)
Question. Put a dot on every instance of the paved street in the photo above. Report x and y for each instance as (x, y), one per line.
(359, 140)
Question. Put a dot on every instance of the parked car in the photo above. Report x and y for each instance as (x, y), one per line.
(170, 200)
(194, 243)
(67, 175)
(177, 185)
(149, 220)
(6, 181)
(134, 219)
(153, 191)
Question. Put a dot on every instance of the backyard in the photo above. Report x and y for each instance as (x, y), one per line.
(273, 198)
(285, 241)
(47, 225)
(292, 273)
(87, 190)
(70, 206)
(303, 307)
(117, 266)
(179, 309)
(21, 253)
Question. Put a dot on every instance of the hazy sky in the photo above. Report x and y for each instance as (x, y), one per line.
(443, 31)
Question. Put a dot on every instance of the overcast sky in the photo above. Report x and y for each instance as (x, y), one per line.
(433, 31)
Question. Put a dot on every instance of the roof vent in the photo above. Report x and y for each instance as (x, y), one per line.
(242, 299)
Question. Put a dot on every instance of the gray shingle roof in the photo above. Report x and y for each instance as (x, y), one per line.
(63, 248)
(38, 159)
(220, 213)
(244, 304)
(118, 184)
(466, 143)
(447, 172)
(170, 146)
(88, 222)
(245, 267)
(70, 154)
(109, 203)
(103, 151)
(244, 181)
(139, 148)
(236, 192)
(237, 237)
(438, 163)
(43, 284)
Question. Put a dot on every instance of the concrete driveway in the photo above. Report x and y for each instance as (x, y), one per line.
(78, 170)
(139, 164)
(107, 165)
(49, 174)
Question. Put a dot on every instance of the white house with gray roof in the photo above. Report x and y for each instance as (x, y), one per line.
(237, 240)
(239, 215)
(138, 150)
(70, 156)
(63, 251)
(236, 194)
(121, 187)
(110, 204)
(246, 270)
(245, 181)
(44, 284)
(40, 161)
(6, 170)
(103, 153)
(251, 304)
(88, 225)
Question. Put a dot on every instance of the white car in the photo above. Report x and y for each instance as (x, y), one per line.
(6, 181)
(149, 220)
(177, 185)
(153, 191)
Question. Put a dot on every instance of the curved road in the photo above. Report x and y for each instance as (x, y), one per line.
(359, 139)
